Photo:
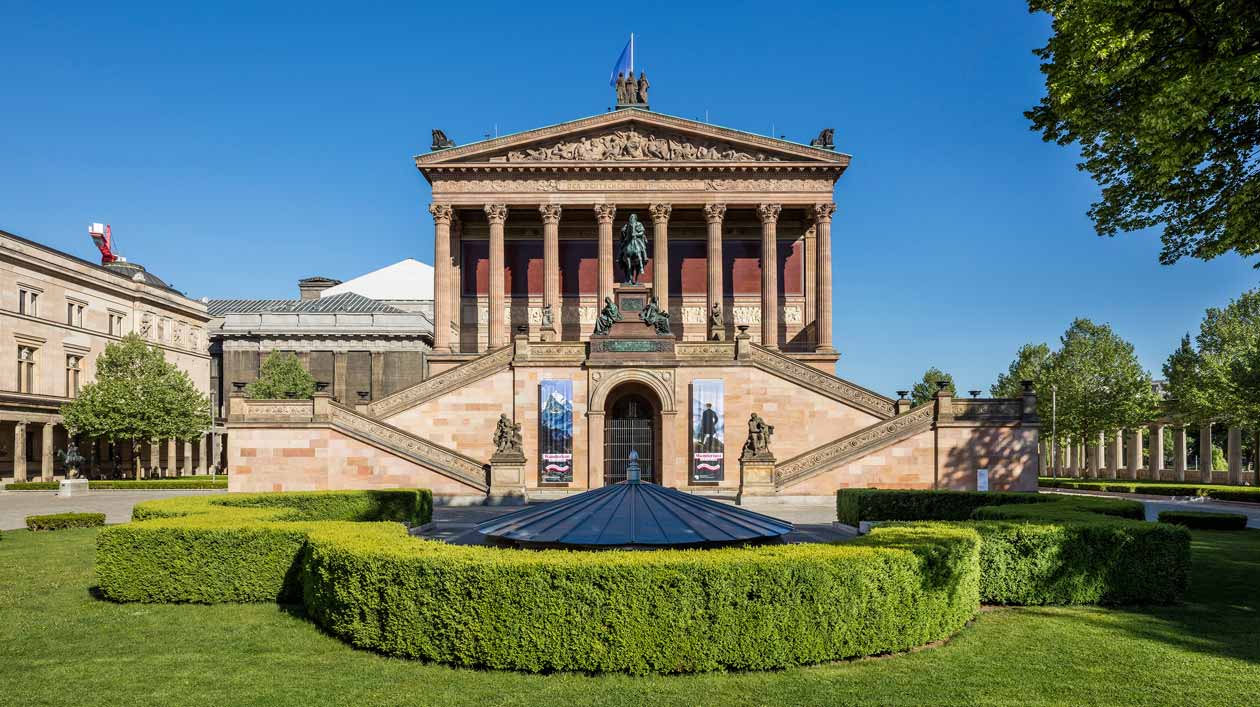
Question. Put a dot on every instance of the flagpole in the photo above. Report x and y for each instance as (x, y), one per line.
(632, 53)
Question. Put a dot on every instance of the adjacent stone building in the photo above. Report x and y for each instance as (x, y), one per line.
(633, 293)
(58, 312)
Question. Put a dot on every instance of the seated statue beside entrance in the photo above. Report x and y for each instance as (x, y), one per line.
(655, 317)
(758, 442)
(608, 316)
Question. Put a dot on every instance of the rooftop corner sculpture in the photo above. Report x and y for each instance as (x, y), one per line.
(440, 141)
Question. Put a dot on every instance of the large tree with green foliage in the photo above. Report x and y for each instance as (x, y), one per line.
(138, 397)
(1163, 97)
(1221, 379)
(281, 376)
(1029, 365)
(925, 390)
(1101, 386)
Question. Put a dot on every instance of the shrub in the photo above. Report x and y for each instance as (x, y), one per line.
(1219, 492)
(1048, 549)
(246, 547)
(32, 486)
(60, 521)
(204, 482)
(1204, 520)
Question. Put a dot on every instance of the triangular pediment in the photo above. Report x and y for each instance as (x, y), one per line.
(631, 136)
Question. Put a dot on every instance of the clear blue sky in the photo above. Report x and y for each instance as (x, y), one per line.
(237, 147)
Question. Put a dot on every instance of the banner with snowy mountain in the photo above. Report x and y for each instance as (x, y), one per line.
(708, 431)
(555, 434)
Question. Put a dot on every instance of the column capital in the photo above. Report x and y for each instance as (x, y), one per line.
(550, 212)
(497, 213)
(769, 213)
(822, 212)
(604, 213)
(442, 213)
(660, 212)
(713, 213)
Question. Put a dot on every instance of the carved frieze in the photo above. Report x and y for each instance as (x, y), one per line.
(693, 315)
(724, 351)
(629, 145)
(822, 383)
(459, 185)
(853, 446)
(792, 315)
(987, 409)
(746, 314)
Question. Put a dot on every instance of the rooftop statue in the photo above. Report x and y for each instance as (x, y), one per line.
(825, 139)
(441, 141)
(632, 252)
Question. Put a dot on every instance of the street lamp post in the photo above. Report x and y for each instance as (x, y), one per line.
(1054, 430)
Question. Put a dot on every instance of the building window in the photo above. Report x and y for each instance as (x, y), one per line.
(115, 324)
(26, 369)
(74, 313)
(72, 375)
(28, 302)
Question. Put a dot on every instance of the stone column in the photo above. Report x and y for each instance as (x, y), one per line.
(19, 451)
(604, 215)
(1179, 452)
(660, 253)
(769, 215)
(441, 277)
(551, 267)
(713, 215)
(172, 461)
(1205, 453)
(822, 221)
(1117, 454)
(1069, 452)
(1081, 454)
(187, 467)
(457, 302)
(203, 465)
(1096, 456)
(1233, 453)
(46, 453)
(1135, 452)
(497, 214)
(215, 452)
(1157, 450)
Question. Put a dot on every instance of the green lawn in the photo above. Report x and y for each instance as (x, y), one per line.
(60, 645)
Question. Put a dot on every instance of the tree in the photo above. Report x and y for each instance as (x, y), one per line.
(1185, 385)
(281, 376)
(925, 390)
(1101, 386)
(1163, 97)
(138, 396)
(1029, 365)
(1225, 384)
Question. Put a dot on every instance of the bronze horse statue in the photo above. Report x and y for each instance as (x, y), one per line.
(633, 251)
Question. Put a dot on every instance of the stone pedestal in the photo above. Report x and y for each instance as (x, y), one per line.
(72, 487)
(507, 480)
(756, 477)
(630, 338)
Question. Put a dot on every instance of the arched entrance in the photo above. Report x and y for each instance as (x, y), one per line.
(632, 424)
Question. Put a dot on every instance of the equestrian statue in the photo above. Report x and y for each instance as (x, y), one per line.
(632, 251)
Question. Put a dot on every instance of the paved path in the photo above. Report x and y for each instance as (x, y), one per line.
(458, 525)
(116, 505)
(1155, 504)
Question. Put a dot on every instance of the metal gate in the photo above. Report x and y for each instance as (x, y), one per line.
(630, 427)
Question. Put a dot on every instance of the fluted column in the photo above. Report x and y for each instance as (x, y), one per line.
(441, 277)
(1157, 450)
(822, 221)
(551, 263)
(1205, 452)
(713, 215)
(497, 214)
(604, 214)
(1233, 454)
(19, 451)
(1117, 454)
(1179, 452)
(660, 253)
(1135, 452)
(769, 215)
(46, 453)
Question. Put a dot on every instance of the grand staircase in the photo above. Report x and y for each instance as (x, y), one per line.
(853, 446)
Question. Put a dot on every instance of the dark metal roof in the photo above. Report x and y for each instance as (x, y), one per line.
(133, 271)
(634, 513)
(344, 303)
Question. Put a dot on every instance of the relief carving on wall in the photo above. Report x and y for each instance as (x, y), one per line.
(666, 184)
(792, 315)
(622, 145)
(746, 314)
(693, 315)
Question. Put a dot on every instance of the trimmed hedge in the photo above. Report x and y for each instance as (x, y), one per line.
(1046, 549)
(1205, 520)
(1220, 492)
(60, 521)
(666, 611)
(32, 486)
(235, 548)
(204, 482)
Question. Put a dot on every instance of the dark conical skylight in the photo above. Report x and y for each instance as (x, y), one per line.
(634, 513)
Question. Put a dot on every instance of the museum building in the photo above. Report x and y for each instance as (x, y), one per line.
(633, 291)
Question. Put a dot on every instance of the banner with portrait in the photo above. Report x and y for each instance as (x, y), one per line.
(555, 431)
(708, 432)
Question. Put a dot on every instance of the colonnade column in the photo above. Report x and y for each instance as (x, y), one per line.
(1157, 450)
(497, 215)
(660, 253)
(1135, 452)
(769, 215)
(1069, 450)
(1096, 455)
(822, 324)
(46, 453)
(551, 265)
(1233, 453)
(203, 464)
(172, 461)
(713, 215)
(1205, 452)
(214, 452)
(441, 277)
(187, 466)
(604, 215)
(1117, 454)
(19, 451)
(1179, 452)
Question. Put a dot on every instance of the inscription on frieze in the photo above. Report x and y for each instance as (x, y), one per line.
(628, 346)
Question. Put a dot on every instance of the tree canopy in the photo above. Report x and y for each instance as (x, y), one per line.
(281, 376)
(1029, 365)
(1163, 98)
(925, 390)
(1221, 379)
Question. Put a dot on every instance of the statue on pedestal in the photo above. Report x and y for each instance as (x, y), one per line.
(758, 443)
(632, 251)
(507, 438)
(655, 317)
(608, 316)
(643, 87)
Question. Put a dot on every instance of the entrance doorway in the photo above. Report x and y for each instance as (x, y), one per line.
(632, 425)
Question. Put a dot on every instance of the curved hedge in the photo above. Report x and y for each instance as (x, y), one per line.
(1047, 548)
(631, 611)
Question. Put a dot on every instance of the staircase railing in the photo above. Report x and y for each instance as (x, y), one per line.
(826, 384)
(853, 446)
(444, 382)
(434, 456)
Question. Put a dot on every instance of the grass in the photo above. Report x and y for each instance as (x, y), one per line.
(61, 645)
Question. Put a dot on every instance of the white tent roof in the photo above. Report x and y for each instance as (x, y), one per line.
(407, 279)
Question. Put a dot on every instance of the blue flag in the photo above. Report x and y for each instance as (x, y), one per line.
(625, 62)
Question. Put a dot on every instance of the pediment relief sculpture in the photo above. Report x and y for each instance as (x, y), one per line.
(628, 145)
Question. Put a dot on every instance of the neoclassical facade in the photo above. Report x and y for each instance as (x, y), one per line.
(712, 370)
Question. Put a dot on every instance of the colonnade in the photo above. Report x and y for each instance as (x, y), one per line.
(1119, 455)
(197, 458)
(497, 214)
